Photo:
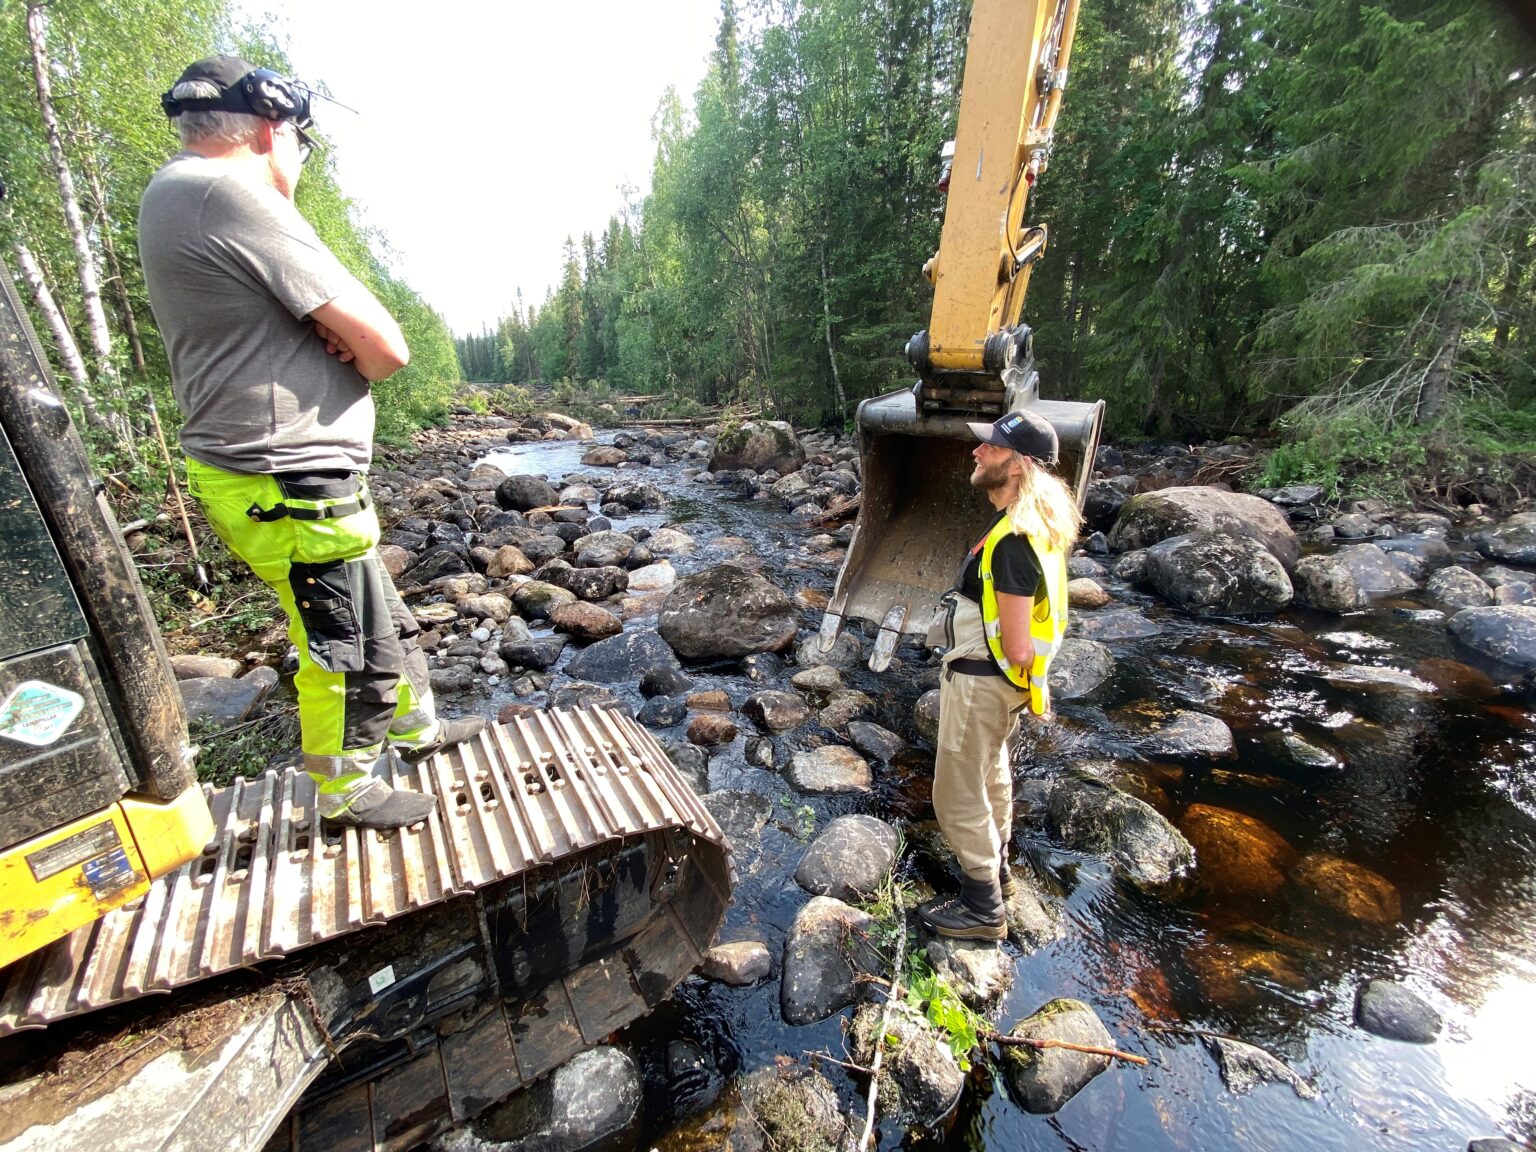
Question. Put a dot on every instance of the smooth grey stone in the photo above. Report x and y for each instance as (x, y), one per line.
(1388, 1009)
(849, 859)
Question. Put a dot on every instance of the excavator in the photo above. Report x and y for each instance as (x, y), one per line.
(976, 358)
(187, 965)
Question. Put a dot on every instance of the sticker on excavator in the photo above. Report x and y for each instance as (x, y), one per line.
(109, 874)
(38, 714)
(94, 841)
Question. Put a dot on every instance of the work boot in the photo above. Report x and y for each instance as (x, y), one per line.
(377, 805)
(449, 733)
(977, 914)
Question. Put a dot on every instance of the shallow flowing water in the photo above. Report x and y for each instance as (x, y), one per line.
(1429, 781)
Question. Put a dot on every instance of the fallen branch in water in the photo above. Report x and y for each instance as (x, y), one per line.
(859, 1068)
(885, 1015)
(1006, 1041)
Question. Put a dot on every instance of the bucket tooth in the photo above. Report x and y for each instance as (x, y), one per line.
(889, 636)
(831, 625)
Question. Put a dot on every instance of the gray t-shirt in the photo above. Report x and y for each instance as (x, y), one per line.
(233, 272)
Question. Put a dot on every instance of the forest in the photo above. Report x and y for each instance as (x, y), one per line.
(1307, 221)
(1311, 220)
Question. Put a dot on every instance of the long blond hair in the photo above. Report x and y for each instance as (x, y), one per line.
(1044, 508)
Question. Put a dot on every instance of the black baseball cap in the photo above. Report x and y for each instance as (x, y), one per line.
(1024, 432)
(243, 87)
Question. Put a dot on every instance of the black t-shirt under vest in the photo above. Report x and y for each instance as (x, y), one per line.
(1014, 568)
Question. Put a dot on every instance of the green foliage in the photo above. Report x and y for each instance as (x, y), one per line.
(247, 749)
(962, 1028)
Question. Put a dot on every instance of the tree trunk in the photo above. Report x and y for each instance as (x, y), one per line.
(826, 318)
(1435, 388)
(109, 248)
(90, 289)
(63, 338)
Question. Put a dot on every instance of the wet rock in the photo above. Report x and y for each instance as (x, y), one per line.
(920, 1079)
(710, 700)
(656, 577)
(534, 652)
(1042, 1080)
(589, 583)
(709, 731)
(1132, 567)
(522, 493)
(603, 550)
(824, 953)
(693, 763)
(1388, 1009)
(221, 701)
(487, 606)
(1293, 495)
(665, 679)
(758, 445)
(776, 711)
(536, 599)
(1237, 971)
(585, 621)
(925, 715)
(1085, 593)
(789, 1110)
(843, 706)
(978, 970)
(1513, 543)
(196, 666)
(579, 695)
(1088, 815)
(1506, 633)
(818, 682)
(1496, 1144)
(1102, 504)
(434, 564)
(844, 653)
(1328, 584)
(624, 659)
(849, 859)
(725, 612)
(1373, 569)
(1031, 925)
(830, 769)
(1218, 574)
(1237, 854)
(1353, 526)
(663, 711)
(1115, 624)
(1244, 1067)
(738, 964)
(1079, 667)
(671, 542)
(395, 559)
(1150, 517)
(591, 1102)
(1183, 733)
(874, 741)
(1349, 891)
(1458, 587)
(508, 560)
(1304, 752)
(636, 496)
(603, 457)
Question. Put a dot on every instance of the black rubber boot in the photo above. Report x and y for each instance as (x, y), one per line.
(377, 805)
(976, 915)
(450, 732)
(1006, 883)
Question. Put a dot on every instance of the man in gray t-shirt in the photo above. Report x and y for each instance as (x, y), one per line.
(273, 347)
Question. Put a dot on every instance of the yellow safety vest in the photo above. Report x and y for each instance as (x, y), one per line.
(1048, 622)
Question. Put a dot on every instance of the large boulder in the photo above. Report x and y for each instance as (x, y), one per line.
(623, 659)
(726, 612)
(850, 858)
(523, 492)
(1514, 543)
(1506, 633)
(1218, 574)
(1328, 584)
(1238, 855)
(1375, 570)
(827, 949)
(1079, 667)
(1344, 890)
(1089, 815)
(603, 549)
(1043, 1079)
(758, 445)
(920, 1081)
(829, 769)
(1153, 516)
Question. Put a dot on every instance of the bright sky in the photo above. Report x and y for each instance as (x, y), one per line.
(489, 132)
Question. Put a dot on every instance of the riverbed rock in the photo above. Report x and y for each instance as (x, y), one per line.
(1150, 517)
(1079, 667)
(843, 706)
(1506, 633)
(741, 816)
(788, 1110)
(1328, 584)
(1458, 587)
(663, 711)
(524, 492)
(818, 682)
(739, 964)
(588, 583)
(775, 711)
(1110, 625)
(1348, 891)
(1089, 815)
(978, 970)
(1514, 543)
(221, 701)
(192, 666)
(844, 652)
(758, 445)
(623, 659)
(663, 679)
(1245, 1066)
(920, 1079)
(537, 652)
(1374, 570)
(585, 621)
(590, 1102)
(670, 542)
(874, 741)
(603, 456)
(726, 612)
(603, 549)
(537, 598)
(824, 953)
(925, 715)
(486, 606)
(508, 560)
(657, 577)
(1042, 1080)
(1086, 593)
(635, 495)
(1386, 1008)
(1238, 855)
(829, 769)
(709, 730)
(1185, 733)
(849, 859)
(1218, 574)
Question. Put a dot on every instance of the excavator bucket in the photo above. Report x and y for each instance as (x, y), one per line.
(918, 514)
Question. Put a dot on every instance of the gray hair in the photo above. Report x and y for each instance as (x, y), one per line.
(229, 129)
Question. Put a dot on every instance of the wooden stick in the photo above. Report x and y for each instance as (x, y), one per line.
(859, 1068)
(1031, 1042)
(885, 1015)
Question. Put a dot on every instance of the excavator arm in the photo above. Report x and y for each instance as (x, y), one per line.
(975, 360)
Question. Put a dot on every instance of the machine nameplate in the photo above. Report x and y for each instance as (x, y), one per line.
(66, 853)
(109, 874)
(38, 713)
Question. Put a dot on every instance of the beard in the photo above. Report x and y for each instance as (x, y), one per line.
(991, 477)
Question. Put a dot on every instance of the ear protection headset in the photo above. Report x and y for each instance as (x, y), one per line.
(260, 92)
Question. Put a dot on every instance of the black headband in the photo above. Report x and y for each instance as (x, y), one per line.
(260, 92)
